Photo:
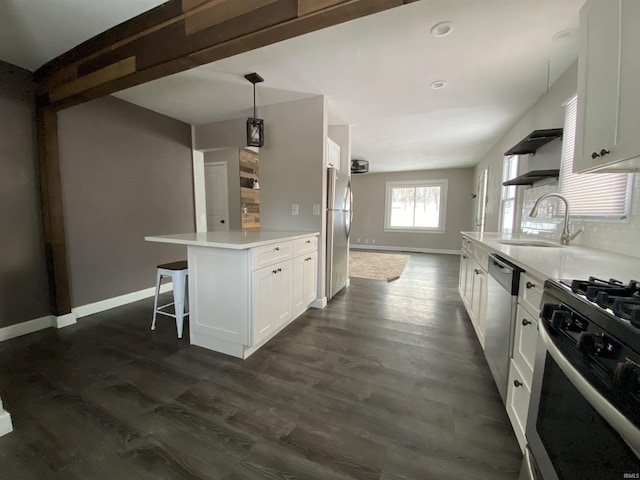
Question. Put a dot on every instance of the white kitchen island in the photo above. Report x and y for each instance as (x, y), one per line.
(246, 286)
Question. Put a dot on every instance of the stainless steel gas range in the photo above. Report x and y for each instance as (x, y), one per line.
(584, 414)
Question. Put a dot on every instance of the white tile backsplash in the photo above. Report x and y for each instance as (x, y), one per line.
(615, 236)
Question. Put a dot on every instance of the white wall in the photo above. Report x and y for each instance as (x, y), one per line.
(547, 112)
(341, 134)
(292, 170)
(614, 236)
(5, 421)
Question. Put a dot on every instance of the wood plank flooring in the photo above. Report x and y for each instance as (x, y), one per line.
(387, 383)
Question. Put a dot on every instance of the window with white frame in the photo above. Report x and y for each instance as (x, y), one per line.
(591, 195)
(508, 201)
(416, 206)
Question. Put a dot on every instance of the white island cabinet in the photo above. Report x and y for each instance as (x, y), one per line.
(244, 287)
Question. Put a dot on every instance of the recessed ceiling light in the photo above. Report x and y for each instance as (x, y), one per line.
(438, 84)
(564, 35)
(441, 29)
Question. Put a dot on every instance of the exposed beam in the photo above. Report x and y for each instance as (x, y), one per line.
(182, 34)
(52, 213)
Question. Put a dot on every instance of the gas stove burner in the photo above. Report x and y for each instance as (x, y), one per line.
(619, 299)
(580, 286)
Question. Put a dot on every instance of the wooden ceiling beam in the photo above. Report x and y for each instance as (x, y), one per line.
(182, 34)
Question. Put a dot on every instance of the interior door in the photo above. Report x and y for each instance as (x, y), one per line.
(215, 179)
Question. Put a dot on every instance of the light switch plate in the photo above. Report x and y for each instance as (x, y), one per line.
(316, 209)
(294, 209)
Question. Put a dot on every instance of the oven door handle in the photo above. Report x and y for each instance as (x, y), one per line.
(627, 430)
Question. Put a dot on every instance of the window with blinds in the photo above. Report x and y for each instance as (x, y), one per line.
(591, 195)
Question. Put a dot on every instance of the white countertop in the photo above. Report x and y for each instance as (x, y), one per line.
(562, 262)
(234, 239)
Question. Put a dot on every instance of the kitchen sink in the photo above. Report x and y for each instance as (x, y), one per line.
(529, 243)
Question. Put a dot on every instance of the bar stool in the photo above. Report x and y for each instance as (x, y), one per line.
(178, 272)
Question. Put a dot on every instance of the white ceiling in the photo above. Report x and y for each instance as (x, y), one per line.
(375, 72)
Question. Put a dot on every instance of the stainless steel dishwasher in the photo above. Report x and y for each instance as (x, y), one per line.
(502, 296)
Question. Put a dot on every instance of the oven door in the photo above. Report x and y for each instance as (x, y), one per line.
(573, 432)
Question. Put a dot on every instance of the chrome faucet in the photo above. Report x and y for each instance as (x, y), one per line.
(566, 236)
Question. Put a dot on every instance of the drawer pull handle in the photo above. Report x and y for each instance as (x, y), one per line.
(279, 269)
(277, 249)
(477, 272)
(604, 152)
(275, 271)
(308, 241)
(525, 322)
(530, 285)
(517, 383)
(594, 155)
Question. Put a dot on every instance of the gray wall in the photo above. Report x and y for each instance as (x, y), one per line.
(24, 291)
(126, 173)
(292, 170)
(369, 191)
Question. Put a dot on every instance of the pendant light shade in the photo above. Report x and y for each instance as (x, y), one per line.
(255, 126)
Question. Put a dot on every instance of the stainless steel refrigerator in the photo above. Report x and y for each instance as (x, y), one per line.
(339, 216)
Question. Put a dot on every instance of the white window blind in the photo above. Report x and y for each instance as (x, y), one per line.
(596, 195)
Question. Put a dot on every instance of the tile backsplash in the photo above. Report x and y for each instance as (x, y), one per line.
(615, 236)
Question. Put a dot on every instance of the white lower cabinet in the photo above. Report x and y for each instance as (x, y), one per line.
(305, 281)
(518, 394)
(472, 285)
(272, 292)
(241, 298)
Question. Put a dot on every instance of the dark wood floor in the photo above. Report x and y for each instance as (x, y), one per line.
(388, 382)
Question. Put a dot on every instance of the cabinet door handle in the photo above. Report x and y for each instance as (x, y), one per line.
(279, 269)
(464, 256)
(525, 322)
(517, 383)
(277, 249)
(308, 241)
(604, 152)
(275, 271)
(478, 272)
(530, 285)
(594, 155)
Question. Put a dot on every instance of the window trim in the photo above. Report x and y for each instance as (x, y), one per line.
(508, 160)
(442, 183)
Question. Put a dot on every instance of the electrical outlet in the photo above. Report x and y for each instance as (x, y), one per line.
(294, 209)
(366, 240)
(373, 240)
(357, 240)
(316, 209)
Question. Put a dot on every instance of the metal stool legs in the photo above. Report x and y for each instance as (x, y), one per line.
(178, 272)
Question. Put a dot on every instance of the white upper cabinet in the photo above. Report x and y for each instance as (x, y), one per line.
(608, 123)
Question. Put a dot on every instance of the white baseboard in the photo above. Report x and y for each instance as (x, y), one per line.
(404, 249)
(114, 302)
(27, 327)
(65, 320)
(319, 303)
(5, 422)
(62, 321)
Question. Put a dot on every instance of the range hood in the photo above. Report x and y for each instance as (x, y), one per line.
(534, 141)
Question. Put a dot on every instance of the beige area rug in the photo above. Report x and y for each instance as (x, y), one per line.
(377, 266)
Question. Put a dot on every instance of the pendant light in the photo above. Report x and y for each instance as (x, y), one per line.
(255, 126)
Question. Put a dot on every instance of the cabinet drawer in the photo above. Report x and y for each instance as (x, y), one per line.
(518, 403)
(305, 245)
(478, 253)
(270, 254)
(524, 344)
(530, 293)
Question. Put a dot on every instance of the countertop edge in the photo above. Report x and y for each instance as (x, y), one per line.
(227, 245)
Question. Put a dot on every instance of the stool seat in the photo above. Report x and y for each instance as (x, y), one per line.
(178, 272)
(179, 265)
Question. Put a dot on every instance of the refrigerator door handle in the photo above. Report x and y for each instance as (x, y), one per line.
(350, 203)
